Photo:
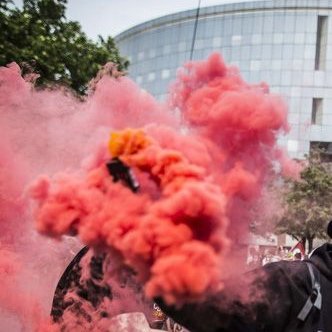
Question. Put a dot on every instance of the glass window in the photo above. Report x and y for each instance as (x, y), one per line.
(328, 79)
(268, 23)
(228, 26)
(235, 53)
(278, 23)
(151, 77)
(297, 78)
(182, 46)
(199, 44)
(287, 64)
(301, 22)
(295, 104)
(165, 73)
(247, 24)
(289, 22)
(236, 40)
(288, 38)
(226, 53)
(294, 118)
(207, 52)
(309, 63)
(256, 52)
(152, 53)
(175, 34)
(246, 39)
(256, 39)
(258, 25)
(292, 145)
(182, 57)
(276, 74)
(321, 42)
(310, 25)
(286, 77)
(317, 111)
(298, 51)
(140, 55)
(310, 38)
(319, 78)
(237, 26)
(299, 38)
(200, 31)
(308, 78)
(208, 27)
(266, 75)
(216, 42)
(297, 64)
(309, 51)
(277, 51)
(266, 51)
(276, 64)
(245, 53)
(296, 91)
(139, 79)
(267, 38)
(167, 49)
(277, 38)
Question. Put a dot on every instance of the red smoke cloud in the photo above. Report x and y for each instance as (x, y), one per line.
(44, 132)
(176, 241)
(242, 122)
(199, 178)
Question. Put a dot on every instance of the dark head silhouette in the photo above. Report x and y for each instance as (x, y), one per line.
(329, 229)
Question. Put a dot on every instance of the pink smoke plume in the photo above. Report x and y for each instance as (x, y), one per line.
(177, 236)
(200, 177)
(242, 122)
(44, 132)
(175, 240)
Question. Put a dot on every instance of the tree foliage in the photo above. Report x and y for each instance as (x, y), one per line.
(308, 205)
(58, 49)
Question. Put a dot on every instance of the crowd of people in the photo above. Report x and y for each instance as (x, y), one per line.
(260, 257)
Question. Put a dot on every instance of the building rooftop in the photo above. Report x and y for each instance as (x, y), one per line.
(225, 9)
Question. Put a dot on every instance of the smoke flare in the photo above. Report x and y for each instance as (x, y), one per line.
(200, 175)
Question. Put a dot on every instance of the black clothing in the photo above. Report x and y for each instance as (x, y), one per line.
(72, 291)
(275, 294)
(83, 297)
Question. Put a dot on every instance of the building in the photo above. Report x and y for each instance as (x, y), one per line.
(286, 43)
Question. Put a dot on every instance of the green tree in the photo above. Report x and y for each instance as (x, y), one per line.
(308, 205)
(57, 49)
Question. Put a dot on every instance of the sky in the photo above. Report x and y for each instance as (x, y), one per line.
(110, 17)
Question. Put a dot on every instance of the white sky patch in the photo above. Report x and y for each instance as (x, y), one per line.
(110, 17)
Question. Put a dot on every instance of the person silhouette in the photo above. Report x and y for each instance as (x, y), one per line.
(284, 296)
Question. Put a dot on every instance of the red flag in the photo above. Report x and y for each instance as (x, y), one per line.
(299, 247)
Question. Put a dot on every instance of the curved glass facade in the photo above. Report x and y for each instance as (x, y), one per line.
(287, 43)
